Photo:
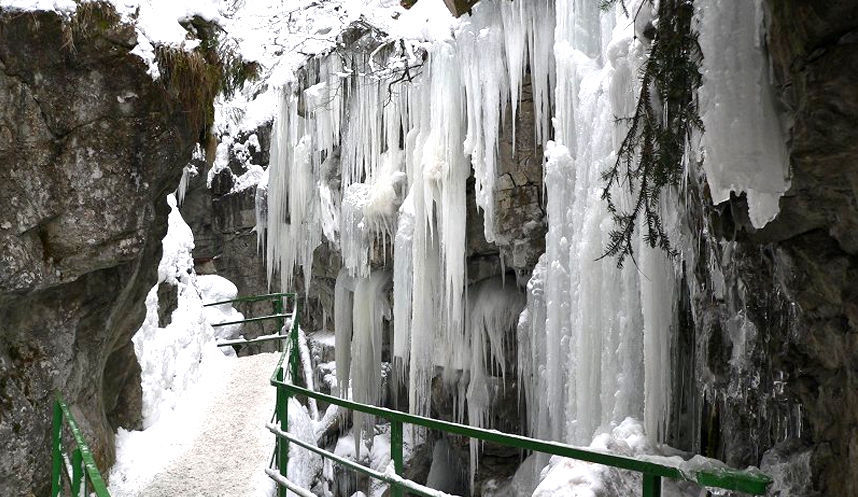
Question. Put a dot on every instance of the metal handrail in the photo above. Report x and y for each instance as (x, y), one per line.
(752, 482)
(251, 320)
(82, 465)
(253, 298)
(279, 315)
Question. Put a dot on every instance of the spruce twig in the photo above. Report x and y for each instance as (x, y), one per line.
(650, 157)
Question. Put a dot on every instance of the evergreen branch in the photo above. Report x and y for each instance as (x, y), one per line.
(650, 157)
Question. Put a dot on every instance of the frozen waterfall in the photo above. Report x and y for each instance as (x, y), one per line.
(377, 164)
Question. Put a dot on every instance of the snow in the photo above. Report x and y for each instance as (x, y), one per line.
(174, 358)
(568, 477)
(214, 288)
(55, 5)
(177, 456)
(195, 400)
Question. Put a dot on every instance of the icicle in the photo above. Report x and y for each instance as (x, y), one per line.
(484, 75)
(402, 288)
(493, 313)
(594, 350)
(261, 207)
(368, 212)
(370, 307)
(343, 302)
(657, 297)
(294, 224)
(188, 172)
(360, 306)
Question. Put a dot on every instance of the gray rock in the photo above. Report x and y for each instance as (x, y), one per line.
(90, 148)
(793, 281)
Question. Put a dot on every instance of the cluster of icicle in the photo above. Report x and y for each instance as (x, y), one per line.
(594, 341)
(402, 155)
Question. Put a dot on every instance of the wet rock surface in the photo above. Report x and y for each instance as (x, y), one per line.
(90, 147)
(774, 310)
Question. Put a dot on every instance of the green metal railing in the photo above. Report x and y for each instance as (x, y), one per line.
(713, 476)
(279, 315)
(79, 471)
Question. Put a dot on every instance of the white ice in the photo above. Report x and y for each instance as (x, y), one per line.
(744, 146)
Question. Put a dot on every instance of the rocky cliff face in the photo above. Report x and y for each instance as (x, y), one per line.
(223, 221)
(775, 321)
(90, 147)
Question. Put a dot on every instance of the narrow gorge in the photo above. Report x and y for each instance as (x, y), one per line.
(622, 224)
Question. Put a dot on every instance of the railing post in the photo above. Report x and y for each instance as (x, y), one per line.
(651, 485)
(77, 472)
(278, 309)
(56, 448)
(396, 453)
(293, 354)
(282, 443)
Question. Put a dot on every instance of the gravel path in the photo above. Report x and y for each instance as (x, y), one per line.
(231, 450)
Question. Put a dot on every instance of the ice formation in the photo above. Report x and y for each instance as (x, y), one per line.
(404, 127)
(737, 105)
(594, 338)
(359, 329)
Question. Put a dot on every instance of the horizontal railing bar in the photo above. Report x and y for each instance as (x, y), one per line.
(239, 341)
(277, 477)
(98, 486)
(387, 477)
(724, 478)
(252, 298)
(250, 320)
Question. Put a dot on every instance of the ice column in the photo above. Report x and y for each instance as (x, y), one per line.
(493, 314)
(743, 144)
(598, 335)
(361, 305)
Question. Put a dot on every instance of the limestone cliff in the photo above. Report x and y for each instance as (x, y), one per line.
(90, 146)
(771, 314)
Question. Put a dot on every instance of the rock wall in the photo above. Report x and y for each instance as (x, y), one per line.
(90, 148)
(772, 314)
(223, 222)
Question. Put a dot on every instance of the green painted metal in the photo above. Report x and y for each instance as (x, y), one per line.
(262, 339)
(743, 481)
(56, 451)
(651, 485)
(279, 315)
(282, 445)
(750, 482)
(253, 298)
(285, 484)
(77, 479)
(251, 320)
(394, 480)
(278, 310)
(396, 453)
(293, 356)
(82, 462)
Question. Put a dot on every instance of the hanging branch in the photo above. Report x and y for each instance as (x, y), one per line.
(650, 157)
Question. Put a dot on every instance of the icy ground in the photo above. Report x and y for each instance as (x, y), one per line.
(214, 444)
